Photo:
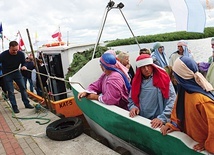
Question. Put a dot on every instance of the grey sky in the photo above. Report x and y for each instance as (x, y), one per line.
(82, 19)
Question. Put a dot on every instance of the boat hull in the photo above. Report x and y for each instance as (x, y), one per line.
(115, 125)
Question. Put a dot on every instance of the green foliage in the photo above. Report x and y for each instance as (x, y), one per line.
(182, 35)
(81, 58)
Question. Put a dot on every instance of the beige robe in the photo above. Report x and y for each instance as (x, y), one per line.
(210, 74)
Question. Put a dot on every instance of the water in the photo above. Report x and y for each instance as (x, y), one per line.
(201, 48)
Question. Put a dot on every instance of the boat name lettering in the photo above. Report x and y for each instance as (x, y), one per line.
(64, 104)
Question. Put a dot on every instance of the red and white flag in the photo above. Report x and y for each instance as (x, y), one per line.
(55, 35)
(21, 43)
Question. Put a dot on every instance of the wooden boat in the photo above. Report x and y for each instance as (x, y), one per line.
(65, 107)
(114, 123)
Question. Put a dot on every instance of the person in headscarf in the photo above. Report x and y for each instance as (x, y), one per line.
(210, 72)
(205, 66)
(159, 55)
(120, 66)
(123, 58)
(182, 50)
(194, 107)
(112, 87)
(211, 58)
(152, 95)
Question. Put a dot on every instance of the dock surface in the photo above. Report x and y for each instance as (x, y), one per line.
(26, 137)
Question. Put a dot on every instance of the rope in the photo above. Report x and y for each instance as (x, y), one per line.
(21, 134)
(41, 117)
(9, 72)
(56, 78)
(52, 77)
(28, 118)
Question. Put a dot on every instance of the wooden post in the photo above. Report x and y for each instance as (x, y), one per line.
(37, 69)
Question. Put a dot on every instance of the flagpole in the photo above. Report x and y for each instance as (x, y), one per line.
(67, 38)
(2, 36)
(22, 40)
(36, 40)
(2, 41)
(59, 37)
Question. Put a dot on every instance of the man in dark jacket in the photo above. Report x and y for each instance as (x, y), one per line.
(11, 60)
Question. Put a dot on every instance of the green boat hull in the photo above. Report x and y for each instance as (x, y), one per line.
(136, 134)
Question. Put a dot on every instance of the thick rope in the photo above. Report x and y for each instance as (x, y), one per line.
(41, 117)
(38, 108)
(54, 77)
(9, 72)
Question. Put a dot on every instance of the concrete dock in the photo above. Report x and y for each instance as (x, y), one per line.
(26, 137)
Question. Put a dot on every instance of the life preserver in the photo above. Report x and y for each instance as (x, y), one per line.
(54, 44)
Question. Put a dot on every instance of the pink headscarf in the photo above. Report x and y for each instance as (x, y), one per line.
(182, 43)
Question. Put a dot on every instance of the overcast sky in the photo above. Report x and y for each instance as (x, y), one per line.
(82, 19)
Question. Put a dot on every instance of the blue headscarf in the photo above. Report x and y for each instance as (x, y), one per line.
(162, 58)
(187, 85)
(108, 61)
(190, 85)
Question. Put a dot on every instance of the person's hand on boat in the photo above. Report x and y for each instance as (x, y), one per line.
(92, 96)
(134, 111)
(199, 147)
(81, 95)
(156, 123)
(165, 129)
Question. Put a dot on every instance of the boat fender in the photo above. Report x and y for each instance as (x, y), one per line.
(65, 129)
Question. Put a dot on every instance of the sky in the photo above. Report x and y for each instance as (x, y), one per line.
(80, 20)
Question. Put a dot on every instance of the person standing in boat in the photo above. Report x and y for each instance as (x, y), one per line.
(145, 51)
(119, 65)
(210, 72)
(112, 87)
(11, 60)
(148, 51)
(194, 107)
(123, 57)
(159, 55)
(204, 66)
(152, 95)
(182, 50)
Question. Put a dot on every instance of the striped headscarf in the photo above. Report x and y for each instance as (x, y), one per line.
(188, 76)
(189, 80)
